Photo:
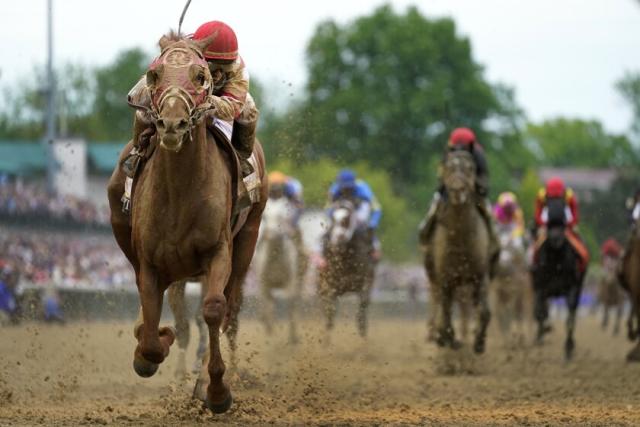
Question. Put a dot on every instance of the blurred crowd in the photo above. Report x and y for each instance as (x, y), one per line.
(65, 260)
(27, 202)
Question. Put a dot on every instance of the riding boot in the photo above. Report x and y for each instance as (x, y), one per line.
(428, 223)
(484, 206)
(243, 139)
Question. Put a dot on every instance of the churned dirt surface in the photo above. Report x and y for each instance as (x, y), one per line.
(81, 374)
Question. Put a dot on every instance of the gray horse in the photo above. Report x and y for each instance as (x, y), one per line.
(458, 255)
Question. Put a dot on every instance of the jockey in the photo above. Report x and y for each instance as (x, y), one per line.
(368, 211)
(465, 139)
(508, 214)
(230, 98)
(289, 187)
(555, 190)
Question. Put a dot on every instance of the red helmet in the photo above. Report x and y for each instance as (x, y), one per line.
(611, 248)
(225, 43)
(555, 187)
(462, 136)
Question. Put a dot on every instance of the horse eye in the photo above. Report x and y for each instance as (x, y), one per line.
(200, 79)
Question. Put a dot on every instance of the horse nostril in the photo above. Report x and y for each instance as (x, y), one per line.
(160, 124)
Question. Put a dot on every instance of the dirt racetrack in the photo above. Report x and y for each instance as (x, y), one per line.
(81, 374)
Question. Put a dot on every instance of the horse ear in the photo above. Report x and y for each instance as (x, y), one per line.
(164, 42)
(201, 45)
(153, 75)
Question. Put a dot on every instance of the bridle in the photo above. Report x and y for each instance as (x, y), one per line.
(177, 84)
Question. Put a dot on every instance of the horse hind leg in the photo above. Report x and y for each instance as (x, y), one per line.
(178, 305)
(618, 319)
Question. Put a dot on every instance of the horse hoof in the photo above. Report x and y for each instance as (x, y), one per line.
(219, 408)
(478, 347)
(634, 355)
(144, 368)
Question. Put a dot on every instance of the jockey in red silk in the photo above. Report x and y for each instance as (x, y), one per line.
(465, 139)
(555, 189)
(232, 103)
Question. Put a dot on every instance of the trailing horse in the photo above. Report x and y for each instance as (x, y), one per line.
(510, 287)
(459, 254)
(180, 311)
(277, 262)
(610, 293)
(185, 221)
(349, 266)
(556, 273)
(630, 280)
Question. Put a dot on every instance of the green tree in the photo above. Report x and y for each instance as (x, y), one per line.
(579, 143)
(112, 118)
(387, 88)
(629, 88)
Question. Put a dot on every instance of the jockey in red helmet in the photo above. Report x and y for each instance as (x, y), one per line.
(465, 139)
(232, 103)
(555, 190)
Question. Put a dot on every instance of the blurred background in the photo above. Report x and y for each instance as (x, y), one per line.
(551, 89)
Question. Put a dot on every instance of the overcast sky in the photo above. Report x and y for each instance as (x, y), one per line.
(562, 56)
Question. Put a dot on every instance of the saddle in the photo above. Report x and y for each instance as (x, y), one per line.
(245, 190)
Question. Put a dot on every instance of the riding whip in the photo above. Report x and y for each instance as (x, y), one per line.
(184, 12)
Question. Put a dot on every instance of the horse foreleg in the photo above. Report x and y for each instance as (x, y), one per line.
(362, 312)
(541, 313)
(446, 335)
(153, 344)
(481, 303)
(178, 306)
(268, 308)
(572, 304)
(214, 308)
(634, 354)
(293, 301)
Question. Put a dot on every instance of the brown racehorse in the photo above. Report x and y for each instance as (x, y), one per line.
(459, 254)
(630, 279)
(182, 213)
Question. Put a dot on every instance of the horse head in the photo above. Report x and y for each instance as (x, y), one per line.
(179, 83)
(277, 219)
(459, 176)
(343, 223)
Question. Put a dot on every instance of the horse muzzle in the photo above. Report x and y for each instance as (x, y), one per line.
(172, 133)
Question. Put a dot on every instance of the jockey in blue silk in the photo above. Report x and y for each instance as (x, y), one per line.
(368, 210)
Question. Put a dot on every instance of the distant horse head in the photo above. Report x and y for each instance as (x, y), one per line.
(343, 223)
(179, 83)
(277, 219)
(459, 176)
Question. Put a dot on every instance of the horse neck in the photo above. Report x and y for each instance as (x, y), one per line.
(461, 220)
(181, 173)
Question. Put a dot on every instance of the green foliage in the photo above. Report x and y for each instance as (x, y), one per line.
(527, 192)
(579, 143)
(387, 88)
(112, 117)
(629, 88)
